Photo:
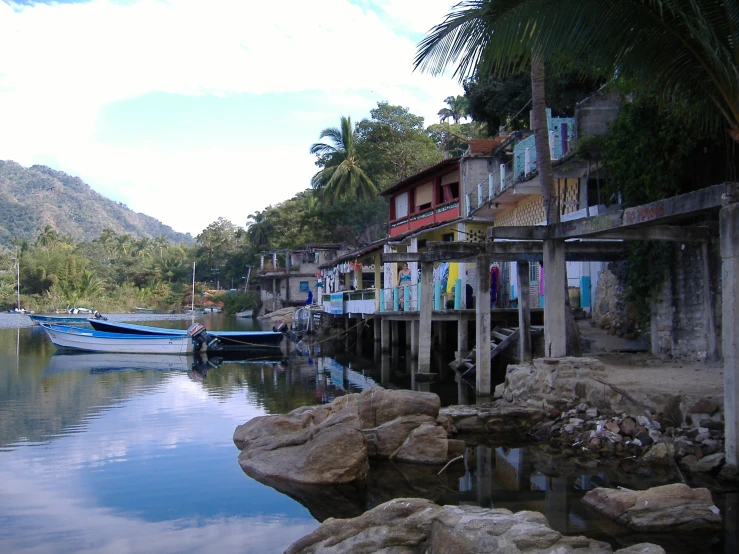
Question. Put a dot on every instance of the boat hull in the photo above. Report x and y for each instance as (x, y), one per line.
(59, 318)
(96, 362)
(230, 340)
(74, 338)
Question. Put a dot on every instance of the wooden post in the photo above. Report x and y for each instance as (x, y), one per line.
(482, 336)
(426, 312)
(524, 312)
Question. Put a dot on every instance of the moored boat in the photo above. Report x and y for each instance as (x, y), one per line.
(230, 340)
(91, 340)
(41, 318)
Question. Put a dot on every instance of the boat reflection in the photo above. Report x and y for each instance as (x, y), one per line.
(98, 362)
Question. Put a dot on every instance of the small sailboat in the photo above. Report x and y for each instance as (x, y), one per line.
(18, 309)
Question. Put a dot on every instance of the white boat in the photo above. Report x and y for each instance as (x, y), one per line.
(89, 340)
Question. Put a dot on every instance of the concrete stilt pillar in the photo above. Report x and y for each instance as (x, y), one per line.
(482, 334)
(729, 229)
(524, 313)
(347, 333)
(709, 317)
(385, 370)
(555, 321)
(556, 503)
(463, 340)
(377, 329)
(395, 334)
(424, 325)
(385, 334)
(414, 325)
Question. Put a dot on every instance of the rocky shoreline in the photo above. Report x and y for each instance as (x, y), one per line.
(317, 454)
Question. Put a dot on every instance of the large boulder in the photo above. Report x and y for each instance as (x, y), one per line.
(332, 444)
(416, 526)
(675, 507)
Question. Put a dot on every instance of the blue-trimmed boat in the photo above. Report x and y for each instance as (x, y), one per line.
(91, 340)
(40, 318)
(229, 340)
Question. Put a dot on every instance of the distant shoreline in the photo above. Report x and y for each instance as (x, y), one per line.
(19, 321)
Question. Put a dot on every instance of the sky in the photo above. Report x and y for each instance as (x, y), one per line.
(191, 110)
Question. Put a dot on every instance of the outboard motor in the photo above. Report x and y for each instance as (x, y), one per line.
(281, 327)
(203, 341)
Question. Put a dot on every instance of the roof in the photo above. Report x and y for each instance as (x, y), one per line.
(371, 247)
(421, 174)
(478, 147)
(380, 243)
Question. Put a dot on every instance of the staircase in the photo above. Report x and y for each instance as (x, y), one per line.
(501, 338)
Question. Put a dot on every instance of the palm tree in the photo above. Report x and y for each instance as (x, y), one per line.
(342, 176)
(47, 237)
(457, 109)
(472, 31)
(687, 50)
(257, 229)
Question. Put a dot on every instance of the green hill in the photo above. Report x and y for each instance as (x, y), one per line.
(31, 198)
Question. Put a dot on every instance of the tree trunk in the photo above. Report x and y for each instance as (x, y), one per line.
(541, 134)
(546, 180)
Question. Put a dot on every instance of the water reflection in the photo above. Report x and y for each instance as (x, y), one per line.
(118, 453)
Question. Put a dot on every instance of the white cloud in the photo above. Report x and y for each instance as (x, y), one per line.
(67, 62)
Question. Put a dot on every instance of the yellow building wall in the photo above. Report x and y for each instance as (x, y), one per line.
(531, 210)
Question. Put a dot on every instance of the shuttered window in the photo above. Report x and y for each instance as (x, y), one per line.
(401, 205)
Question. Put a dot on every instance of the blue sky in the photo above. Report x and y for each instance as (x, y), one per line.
(189, 110)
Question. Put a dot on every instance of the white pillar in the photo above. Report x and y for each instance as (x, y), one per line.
(482, 335)
(555, 321)
(424, 325)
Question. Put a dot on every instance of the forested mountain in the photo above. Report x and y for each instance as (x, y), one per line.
(31, 198)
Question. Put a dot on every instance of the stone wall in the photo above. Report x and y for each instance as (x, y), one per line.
(297, 295)
(473, 172)
(679, 309)
(609, 309)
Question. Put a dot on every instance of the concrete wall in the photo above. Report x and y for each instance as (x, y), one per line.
(296, 295)
(474, 171)
(596, 113)
(678, 313)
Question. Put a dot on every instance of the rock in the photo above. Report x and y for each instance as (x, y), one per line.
(415, 526)
(729, 473)
(582, 407)
(674, 507)
(712, 425)
(704, 406)
(689, 463)
(700, 437)
(591, 413)
(455, 448)
(711, 462)
(569, 428)
(641, 548)
(613, 427)
(659, 453)
(644, 438)
(332, 452)
(576, 421)
(710, 446)
(427, 444)
(331, 444)
(384, 440)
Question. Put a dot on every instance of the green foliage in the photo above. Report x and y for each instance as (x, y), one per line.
(649, 156)
(505, 100)
(647, 263)
(234, 302)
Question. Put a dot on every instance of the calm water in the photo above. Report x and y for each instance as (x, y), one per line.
(113, 453)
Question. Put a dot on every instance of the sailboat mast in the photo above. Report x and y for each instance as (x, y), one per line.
(17, 279)
(192, 305)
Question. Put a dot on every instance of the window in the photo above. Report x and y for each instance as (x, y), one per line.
(304, 286)
(424, 196)
(401, 205)
(447, 237)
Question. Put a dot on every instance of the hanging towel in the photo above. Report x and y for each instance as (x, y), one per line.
(494, 275)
